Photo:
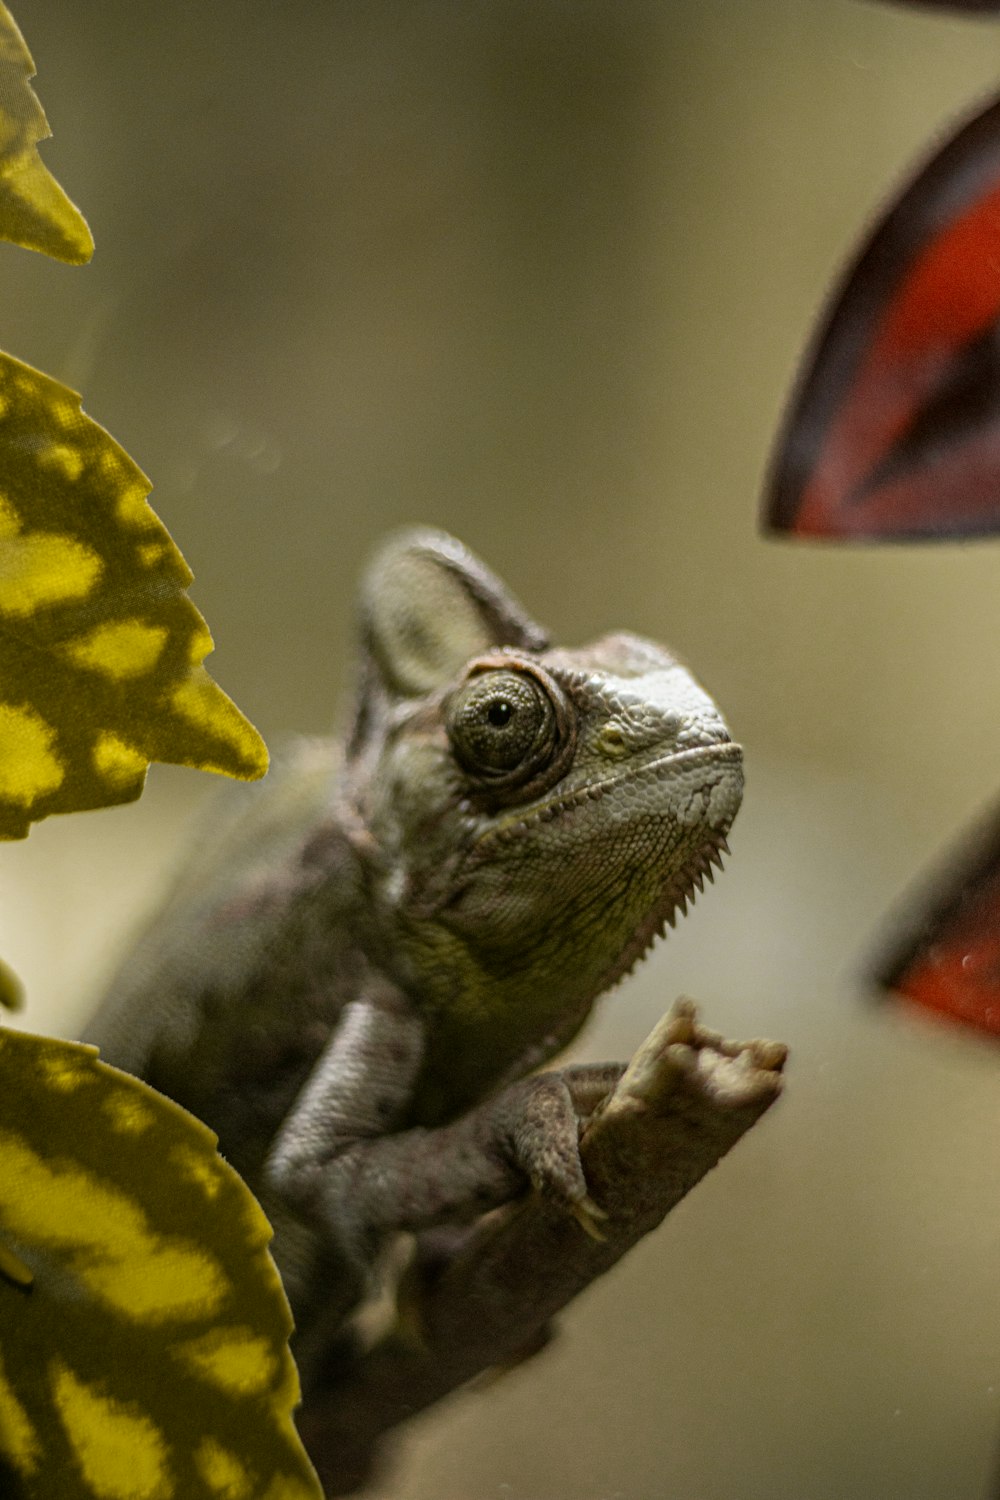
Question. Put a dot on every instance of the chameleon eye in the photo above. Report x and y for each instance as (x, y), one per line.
(507, 725)
(497, 719)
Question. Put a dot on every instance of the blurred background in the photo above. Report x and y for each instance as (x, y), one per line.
(540, 273)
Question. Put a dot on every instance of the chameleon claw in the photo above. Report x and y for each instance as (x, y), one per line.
(588, 1215)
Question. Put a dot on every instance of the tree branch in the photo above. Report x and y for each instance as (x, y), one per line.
(686, 1097)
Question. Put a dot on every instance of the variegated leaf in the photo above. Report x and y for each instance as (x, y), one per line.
(34, 210)
(143, 1329)
(100, 648)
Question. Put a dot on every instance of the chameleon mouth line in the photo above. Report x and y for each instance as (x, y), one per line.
(723, 755)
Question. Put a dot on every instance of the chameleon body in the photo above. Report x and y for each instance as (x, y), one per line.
(355, 982)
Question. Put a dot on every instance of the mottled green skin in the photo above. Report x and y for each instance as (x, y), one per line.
(472, 927)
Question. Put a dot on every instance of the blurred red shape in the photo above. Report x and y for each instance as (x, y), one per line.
(894, 430)
(948, 959)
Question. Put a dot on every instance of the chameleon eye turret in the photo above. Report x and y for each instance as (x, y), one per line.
(511, 726)
(501, 722)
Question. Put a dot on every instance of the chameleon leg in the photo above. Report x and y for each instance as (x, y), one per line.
(340, 1163)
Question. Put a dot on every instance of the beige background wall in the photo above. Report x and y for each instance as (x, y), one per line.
(539, 272)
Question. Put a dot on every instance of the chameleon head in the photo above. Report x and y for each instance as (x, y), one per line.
(538, 814)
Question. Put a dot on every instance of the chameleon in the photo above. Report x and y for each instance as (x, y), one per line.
(359, 976)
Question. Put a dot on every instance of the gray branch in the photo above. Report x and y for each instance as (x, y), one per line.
(686, 1097)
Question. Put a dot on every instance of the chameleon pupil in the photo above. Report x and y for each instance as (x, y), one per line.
(499, 713)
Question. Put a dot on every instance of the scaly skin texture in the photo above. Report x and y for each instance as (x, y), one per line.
(355, 983)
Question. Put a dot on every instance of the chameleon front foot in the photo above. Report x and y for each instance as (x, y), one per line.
(684, 1076)
(681, 1054)
(683, 1100)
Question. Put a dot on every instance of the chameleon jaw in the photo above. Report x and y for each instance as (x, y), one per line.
(675, 899)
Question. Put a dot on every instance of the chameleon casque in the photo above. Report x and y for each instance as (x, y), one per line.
(357, 979)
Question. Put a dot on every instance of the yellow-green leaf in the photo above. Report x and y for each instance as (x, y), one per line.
(100, 648)
(11, 988)
(143, 1329)
(34, 210)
